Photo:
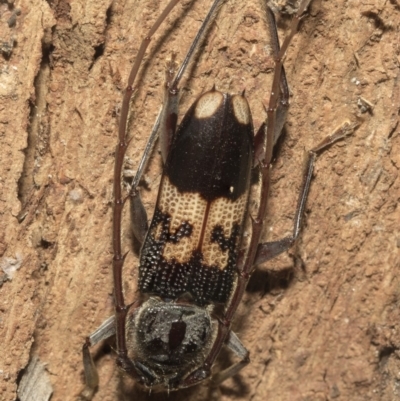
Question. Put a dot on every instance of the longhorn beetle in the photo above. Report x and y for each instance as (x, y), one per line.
(192, 258)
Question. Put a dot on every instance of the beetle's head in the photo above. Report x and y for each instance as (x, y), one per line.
(167, 341)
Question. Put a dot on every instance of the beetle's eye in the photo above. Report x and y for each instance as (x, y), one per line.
(176, 334)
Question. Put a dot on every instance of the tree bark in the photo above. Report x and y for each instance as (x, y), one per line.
(321, 322)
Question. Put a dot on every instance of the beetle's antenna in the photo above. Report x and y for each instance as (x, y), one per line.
(121, 309)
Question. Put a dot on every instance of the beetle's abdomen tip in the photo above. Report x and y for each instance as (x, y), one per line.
(208, 104)
(241, 109)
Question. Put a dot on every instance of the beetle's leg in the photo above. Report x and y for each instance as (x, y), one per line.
(246, 263)
(165, 124)
(139, 220)
(169, 113)
(106, 330)
(171, 97)
(121, 309)
(239, 349)
(91, 374)
(283, 104)
(269, 250)
(164, 127)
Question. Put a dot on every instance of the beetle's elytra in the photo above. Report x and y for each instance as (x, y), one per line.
(193, 266)
(192, 244)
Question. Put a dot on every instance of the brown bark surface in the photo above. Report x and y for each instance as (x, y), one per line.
(321, 322)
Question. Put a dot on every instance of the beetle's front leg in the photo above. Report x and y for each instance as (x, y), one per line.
(91, 374)
(235, 345)
(106, 330)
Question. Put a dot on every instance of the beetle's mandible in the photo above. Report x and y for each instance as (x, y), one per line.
(194, 267)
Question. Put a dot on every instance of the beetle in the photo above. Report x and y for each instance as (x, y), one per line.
(194, 264)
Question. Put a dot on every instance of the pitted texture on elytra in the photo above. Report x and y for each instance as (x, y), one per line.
(224, 214)
(181, 207)
(191, 246)
(203, 217)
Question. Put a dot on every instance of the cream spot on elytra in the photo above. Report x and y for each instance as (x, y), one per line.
(208, 104)
(241, 109)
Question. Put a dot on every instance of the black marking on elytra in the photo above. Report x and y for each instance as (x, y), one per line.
(212, 156)
(224, 243)
(171, 279)
(185, 229)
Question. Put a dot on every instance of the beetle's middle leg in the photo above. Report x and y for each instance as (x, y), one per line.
(269, 250)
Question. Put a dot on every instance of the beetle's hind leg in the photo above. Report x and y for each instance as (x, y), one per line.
(283, 103)
(165, 124)
(171, 97)
(269, 250)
